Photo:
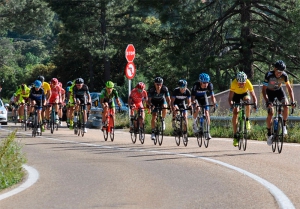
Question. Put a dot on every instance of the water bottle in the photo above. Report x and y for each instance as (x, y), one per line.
(275, 124)
(75, 119)
(201, 121)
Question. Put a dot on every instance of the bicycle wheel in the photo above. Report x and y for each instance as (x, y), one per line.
(82, 123)
(199, 134)
(52, 118)
(142, 133)
(205, 127)
(184, 131)
(279, 140)
(240, 127)
(133, 133)
(274, 139)
(25, 117)
(177, 131)
(245, 136)
(112, 128)
(160, 135)
(34, 129)
(105, 133)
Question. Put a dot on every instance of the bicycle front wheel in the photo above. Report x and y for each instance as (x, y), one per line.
(52, 118)
(142, 133)
(280, 135)
(160, 135)
(34, 129)
(82, 123)
(205, 130)
(184, 131)
(240, 126)
(112, 128)
(244, 137)
(133, 133)
(25, 118)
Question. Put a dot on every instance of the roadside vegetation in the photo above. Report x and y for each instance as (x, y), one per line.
(11, 161)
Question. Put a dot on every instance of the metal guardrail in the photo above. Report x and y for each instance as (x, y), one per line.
(258, 119)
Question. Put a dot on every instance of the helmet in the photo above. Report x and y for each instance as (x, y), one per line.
(140, 85)
(241, 77)
(280, 65)
(182, 83)
(79, 81)
(69, 83)
(158, 80)
(37, 83)
(203, 77)
(22, 86)
(41, 78)
(109, 84)
(54, 81)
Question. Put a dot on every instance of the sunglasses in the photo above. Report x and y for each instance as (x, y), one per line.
(159, 84)
(140, 90)
(204, 82)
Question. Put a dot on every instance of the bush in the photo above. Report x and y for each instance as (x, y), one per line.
(11, 161)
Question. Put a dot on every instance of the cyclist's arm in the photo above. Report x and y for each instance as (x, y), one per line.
(252, 93)
(291, 92)
(118, 101)
(264, 93)
(213, 99)
(231, 93)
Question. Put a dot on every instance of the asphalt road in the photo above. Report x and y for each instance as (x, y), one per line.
(87, 172)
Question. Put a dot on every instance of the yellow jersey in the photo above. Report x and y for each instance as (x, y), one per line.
(46, 87)
(236, 89)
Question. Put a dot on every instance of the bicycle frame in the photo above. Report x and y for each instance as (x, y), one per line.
(138, 126)
(277, 126)
(78, 125)
(180, 129)
(109, 125)
(242, 132)
(202, 124)
(159, 131)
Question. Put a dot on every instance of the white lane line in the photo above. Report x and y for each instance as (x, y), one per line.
(282, 200)
(33, 176)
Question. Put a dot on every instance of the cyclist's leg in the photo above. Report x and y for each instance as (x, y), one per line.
(153, 121)
(271, 96)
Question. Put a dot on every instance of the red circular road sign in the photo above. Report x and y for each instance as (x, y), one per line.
(130, 70)
(130, 53)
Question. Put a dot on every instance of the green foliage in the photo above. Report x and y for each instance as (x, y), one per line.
(11, 161)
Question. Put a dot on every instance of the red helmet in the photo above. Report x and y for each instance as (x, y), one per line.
(54, 81)
(140, 85)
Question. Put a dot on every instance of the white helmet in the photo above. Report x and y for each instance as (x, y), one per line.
(241, 77)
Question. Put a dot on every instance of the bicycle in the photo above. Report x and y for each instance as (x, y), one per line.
(202, 126)
(52, 121)
(25, 119)
(79, 121)
(242, 132)
(180, 128)
(35, 123)
(109, 126)
(16, 117)
(159, 126)
(277, 127)
(138, 126)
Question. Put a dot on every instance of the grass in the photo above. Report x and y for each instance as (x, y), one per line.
(220, 129)
(11, 161)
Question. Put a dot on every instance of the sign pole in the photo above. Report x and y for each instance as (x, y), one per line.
(129, 90)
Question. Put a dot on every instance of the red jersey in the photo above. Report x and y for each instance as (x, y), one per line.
(137, 97)
(55, 92)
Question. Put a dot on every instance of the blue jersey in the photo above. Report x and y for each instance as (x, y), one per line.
(37, 95)
(199, 92)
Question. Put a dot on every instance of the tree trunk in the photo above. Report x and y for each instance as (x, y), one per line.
(106, 60)
(246, 40)
(91, 69)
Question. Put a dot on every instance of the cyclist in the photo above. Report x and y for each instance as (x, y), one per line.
(62, 103)
(71, 104)
(55, 97)
(241, 89)
(107, 96)
(272, 88)
(21, 99)
(136, 98)
(81, 95)
(67, 97)
(47, 90)
(159, 96)
(37, 97)
(201, 90)
(13, 106)
(181, 97)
